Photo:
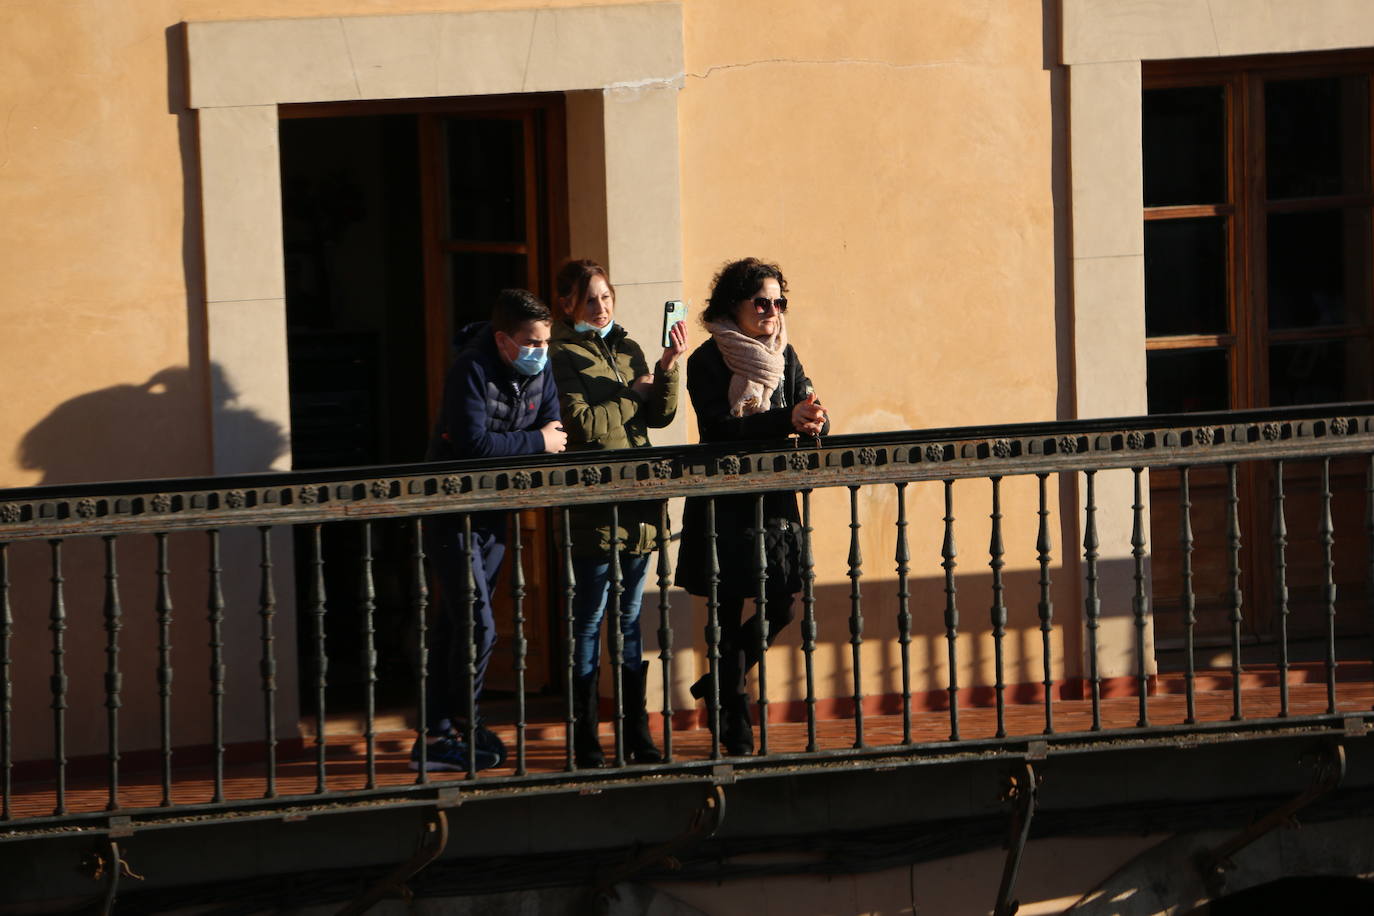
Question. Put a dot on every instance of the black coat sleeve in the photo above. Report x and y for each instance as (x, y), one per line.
(801, 385)
(708, 383)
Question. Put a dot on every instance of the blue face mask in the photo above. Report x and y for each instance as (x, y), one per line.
(582, 327)
(530, 360)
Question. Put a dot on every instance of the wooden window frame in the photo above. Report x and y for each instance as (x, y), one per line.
(1247, 208)
(1248, 339)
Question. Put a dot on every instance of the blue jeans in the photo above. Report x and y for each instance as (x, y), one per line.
(593, 581)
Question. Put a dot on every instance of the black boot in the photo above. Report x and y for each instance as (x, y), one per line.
(735, 725)
(736, 729)
(735, 721)
(639, 743)
(586, 742)
(700, 686)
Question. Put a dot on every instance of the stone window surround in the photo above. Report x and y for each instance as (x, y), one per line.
(1103, 43)
(623, 196)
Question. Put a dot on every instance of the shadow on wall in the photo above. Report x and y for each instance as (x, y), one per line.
(159, 428)
(1065, 400)
(927, 655)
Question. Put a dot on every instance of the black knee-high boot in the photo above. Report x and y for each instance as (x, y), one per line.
(586, 742)
(736, 727)
(639, 743)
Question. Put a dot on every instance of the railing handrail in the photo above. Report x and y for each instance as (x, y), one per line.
(573, 478)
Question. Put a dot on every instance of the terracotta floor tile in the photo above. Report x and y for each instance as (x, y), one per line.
(346, 766)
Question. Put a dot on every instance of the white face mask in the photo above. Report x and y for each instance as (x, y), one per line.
(530, 360)
(582, 327)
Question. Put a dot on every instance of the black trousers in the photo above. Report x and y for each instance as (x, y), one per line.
(741, 643)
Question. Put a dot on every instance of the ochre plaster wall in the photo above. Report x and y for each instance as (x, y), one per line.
(896, 158)
(99, 245)
(106, 358)
(930, 201)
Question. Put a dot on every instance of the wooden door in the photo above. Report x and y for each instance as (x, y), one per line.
(1258, 253)
(495, 216)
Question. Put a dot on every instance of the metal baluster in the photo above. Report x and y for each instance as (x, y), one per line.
(617, 638)
(58, 625)
(1369, 538)
(1233, 564)
(948, 553)
(216, 621)
(367, 600)
(164, 610)
(1280, 529)
(761, 612)
(1046, 604)
(6, 707)
(569, 628)
(713, 626)
(665, 631)
(1139, 603)
(808, 620)
(999, 608)
(1327, 535)
(1092, 603)
(267, 608)
(903, 560)
(1189, 602)
(317, 605)
(520, 646)
(856, 614)
(421, 597)
(113, 624)
(469, 593)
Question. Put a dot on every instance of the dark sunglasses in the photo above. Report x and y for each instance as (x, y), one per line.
(761, 304)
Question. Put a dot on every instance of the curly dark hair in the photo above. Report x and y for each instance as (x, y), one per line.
(734, 283)
(572, 281)
(514, 307)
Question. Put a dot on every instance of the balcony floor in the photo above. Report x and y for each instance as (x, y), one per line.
(346, 767)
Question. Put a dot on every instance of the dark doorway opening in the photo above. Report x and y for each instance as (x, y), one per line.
(354, 290)
(356, 338)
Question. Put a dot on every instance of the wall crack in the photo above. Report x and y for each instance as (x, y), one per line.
(826, 62)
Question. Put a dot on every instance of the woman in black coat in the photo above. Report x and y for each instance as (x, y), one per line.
(746, 383)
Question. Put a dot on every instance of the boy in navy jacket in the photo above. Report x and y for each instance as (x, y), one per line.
(499, 400)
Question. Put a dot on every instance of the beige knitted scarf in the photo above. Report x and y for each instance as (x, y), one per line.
(757, 365)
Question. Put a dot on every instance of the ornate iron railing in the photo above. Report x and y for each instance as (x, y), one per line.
(264, 504)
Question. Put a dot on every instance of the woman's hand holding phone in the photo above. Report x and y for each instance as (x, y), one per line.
(677, 337)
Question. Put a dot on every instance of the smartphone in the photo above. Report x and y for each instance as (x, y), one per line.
(674, 310)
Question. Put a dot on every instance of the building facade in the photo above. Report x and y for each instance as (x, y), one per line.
(238, 240)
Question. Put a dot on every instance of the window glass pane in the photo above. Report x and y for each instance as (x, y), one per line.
(1316, 136)
(476, 277)
(1185, 276)
(1318, 268)
(1182, 381)
(486, 179)
(1184, 137)
(1319, 372)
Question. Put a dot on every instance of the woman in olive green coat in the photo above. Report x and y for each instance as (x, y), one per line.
(610, 398)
